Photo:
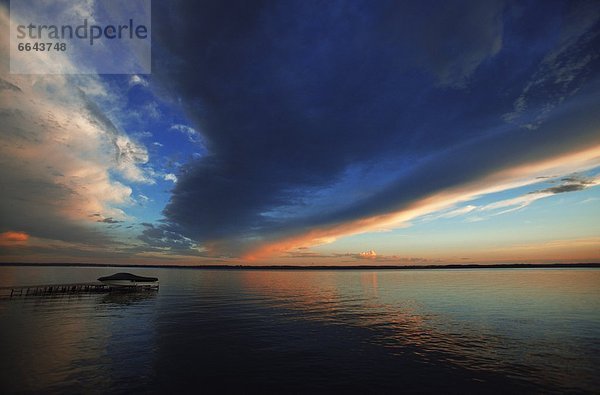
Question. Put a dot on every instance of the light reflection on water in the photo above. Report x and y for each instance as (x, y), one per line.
(431, 330)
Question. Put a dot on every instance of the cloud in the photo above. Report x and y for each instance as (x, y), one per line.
(143, 199)
(589, 200)
(307, 255)
(63, 158)
(137, 80)
(190, 132)
(170, 177)
(349, 258)
(129, 156)
(12, 237)
(514, 204)
(572, 184)
(167, 240)
(109, 220)
(320, 124)
(352, 258)
(142, 135)
(473, 30)
(8, 86)
(453, 213)
(551, 251)
(563, 70)
(367, 255)
(565, 188)
(150, 110)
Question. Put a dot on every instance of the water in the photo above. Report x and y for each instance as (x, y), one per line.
(460, 331)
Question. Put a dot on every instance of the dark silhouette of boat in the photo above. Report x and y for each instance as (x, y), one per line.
(129, 281)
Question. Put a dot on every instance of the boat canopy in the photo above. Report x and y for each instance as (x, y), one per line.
(128, 276)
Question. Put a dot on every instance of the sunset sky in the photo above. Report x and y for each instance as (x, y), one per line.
(315, 133)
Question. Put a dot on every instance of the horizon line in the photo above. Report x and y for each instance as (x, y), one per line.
(319, 267)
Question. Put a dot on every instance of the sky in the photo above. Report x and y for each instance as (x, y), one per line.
(315, 133)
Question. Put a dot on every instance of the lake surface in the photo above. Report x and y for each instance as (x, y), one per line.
(228, 331)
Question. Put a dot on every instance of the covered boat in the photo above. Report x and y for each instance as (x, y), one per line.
(128, 280)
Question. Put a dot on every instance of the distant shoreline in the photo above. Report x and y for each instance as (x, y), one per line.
(298, 267)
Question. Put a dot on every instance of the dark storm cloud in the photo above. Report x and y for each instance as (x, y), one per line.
(291, 97)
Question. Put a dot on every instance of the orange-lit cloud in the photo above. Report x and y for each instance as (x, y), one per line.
(13, 238)
(504, 179)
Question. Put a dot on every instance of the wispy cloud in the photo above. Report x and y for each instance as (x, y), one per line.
(191, 133)
(562, 72)
(456, 212)
(514, 204)
(571, 183)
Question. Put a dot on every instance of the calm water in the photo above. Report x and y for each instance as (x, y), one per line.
(496, 330)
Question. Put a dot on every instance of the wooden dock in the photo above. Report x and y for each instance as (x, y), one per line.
(49, 289)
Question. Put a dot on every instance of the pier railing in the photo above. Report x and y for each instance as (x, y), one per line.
(49, 289)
